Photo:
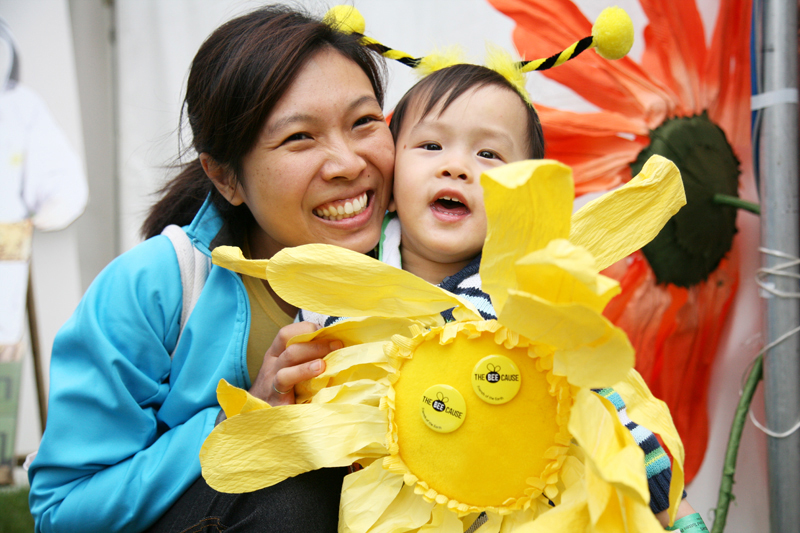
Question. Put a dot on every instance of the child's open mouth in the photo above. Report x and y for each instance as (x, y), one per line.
(448, 205)
(341, 209)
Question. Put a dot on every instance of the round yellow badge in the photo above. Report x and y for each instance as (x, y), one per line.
(443, 408)
(496, 379)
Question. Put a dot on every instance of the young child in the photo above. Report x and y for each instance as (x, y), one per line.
(449, 128)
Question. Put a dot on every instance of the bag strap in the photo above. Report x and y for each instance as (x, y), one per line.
(194, 267)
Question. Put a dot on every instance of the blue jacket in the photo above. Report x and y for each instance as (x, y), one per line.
(126, 421)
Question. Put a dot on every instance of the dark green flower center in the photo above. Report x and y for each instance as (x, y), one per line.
(694, 241)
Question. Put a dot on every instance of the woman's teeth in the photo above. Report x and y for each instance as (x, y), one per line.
(342, 210)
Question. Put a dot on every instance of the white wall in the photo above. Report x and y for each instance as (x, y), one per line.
(47, 66)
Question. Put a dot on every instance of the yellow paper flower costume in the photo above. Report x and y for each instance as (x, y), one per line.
(551, 456)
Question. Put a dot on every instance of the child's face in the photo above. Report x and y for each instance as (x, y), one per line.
(438, 164)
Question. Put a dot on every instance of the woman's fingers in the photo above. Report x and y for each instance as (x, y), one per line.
(284, 367)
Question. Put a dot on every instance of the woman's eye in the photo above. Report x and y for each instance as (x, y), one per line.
(487, 154)
(297, 137)
(365, 120)
(431, 146)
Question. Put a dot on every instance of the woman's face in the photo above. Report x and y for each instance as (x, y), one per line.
(321, 171)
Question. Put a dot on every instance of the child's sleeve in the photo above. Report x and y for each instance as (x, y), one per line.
(656, 460)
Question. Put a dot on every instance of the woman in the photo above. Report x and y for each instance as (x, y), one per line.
(286, 118)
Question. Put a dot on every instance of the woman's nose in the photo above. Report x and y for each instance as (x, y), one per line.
(343, 161)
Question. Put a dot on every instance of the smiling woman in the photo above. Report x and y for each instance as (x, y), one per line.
(286, 117)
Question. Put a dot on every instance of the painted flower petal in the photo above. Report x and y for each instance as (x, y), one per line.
(565, 273)
(365, 496)
(292, 439)
(610, 447)
(528, 204)
(622, 221)
(599, 147)
(676, 51)
(348, 283)
(650, 412)
(590, 350)
(621, 86)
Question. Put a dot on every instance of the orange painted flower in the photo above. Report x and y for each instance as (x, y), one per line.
(690, 102)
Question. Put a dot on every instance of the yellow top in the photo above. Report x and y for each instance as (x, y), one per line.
(266, 318)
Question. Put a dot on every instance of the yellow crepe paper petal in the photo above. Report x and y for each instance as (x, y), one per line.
(590, 350)
(564, 273)
(609, 446)
(443, 520)
(234, 400)
(361, 330)
(650, 412)
(362, 391)
(361, 361)
(622, 221)
(348, 283)
(231, 257)
(261, 448)
(528, 204)
(408, 512)
(572, 515)
(365, 496)
(612, 511)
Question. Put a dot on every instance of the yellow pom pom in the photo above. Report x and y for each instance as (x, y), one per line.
(346, 19)
(439, 59)
(501, 62)
(613, 33)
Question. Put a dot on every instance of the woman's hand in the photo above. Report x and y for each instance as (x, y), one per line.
(284, 367)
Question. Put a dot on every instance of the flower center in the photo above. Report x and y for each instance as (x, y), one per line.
(694, 241)
(501, 452)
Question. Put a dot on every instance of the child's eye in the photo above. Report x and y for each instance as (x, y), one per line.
(488, 154)
(431, 146)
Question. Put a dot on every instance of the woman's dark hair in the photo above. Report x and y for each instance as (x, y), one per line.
(447, 84)
(236, 79)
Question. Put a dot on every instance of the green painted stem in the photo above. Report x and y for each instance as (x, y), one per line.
(738, 203)
(726, 486)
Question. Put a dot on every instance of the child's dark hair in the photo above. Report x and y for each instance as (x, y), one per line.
(449, 83)
(236, 79)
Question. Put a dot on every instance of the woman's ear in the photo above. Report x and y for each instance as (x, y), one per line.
(223, 179)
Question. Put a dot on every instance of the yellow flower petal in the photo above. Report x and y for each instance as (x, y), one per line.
(564, 273)
(361, 361)
(361, 330)
(348, 283)
(622, 221)
(609, 446)
(231, 257)
(261, 448)
(234, 400)
(365, 496)
(528, 204)
(407, 512)
(590, 350)
(443, 520)
(650, 412)
(612, 511)
(572, 515)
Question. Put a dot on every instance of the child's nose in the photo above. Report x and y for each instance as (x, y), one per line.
(454, 170)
